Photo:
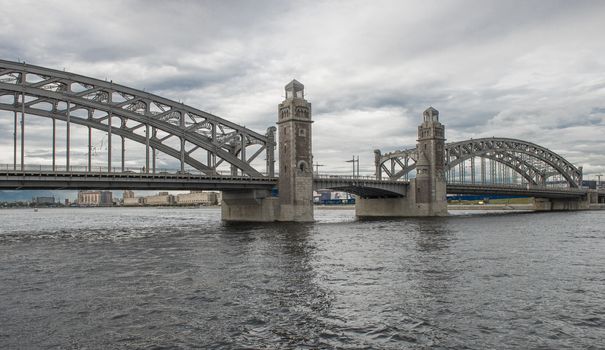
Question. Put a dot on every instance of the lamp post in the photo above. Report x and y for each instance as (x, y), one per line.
(317, 165)
(354, 161)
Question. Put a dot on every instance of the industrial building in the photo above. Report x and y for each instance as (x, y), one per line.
(197, 198)
(162, 198)
(95, 198)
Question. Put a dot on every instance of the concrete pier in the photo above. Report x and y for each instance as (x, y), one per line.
(591, 200)
(249, 206)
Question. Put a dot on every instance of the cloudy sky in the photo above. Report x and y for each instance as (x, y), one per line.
(533, 70)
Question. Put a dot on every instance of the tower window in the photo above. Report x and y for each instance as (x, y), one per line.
(285, 113)
(302, 132)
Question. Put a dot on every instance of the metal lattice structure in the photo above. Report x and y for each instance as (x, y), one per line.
(160, 124)
(502, 160)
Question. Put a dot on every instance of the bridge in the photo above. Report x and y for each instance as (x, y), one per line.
(213, 153)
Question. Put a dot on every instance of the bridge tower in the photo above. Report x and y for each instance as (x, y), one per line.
(430, 184)
(295, 156)
(295, 183)
(426, 194)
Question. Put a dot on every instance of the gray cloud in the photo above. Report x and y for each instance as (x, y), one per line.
(524, 69)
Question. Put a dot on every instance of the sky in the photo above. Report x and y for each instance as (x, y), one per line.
(531, 70)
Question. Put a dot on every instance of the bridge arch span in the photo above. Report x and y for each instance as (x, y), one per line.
(532, 162)
(144, 118)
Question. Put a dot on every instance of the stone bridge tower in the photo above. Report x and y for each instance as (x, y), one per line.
(430, 185)
(427, 193)
(295, 156)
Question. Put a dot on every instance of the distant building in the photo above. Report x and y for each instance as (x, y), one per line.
(43, 200)
(133, 201)
(197, 198)
(129, 200)
(162, 198)
(95, 198)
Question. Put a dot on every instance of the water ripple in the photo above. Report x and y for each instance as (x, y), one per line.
(180, 279)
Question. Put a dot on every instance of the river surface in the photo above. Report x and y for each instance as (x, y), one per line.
(151, 278)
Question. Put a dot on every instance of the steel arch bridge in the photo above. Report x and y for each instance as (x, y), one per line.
(502, 160)
(161, 125)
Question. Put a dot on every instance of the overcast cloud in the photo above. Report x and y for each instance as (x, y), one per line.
(533, 70)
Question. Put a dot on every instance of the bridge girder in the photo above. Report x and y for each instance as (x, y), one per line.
(503, 150)
(45, 91)
(532, 174)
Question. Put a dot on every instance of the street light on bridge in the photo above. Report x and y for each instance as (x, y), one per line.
(354, 161)
(317, 165)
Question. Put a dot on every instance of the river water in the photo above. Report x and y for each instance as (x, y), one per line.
(179, 278)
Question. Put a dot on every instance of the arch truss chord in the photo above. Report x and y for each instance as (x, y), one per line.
(158, 123)
(507, 159)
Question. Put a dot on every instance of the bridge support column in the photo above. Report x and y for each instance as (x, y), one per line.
(249, 206)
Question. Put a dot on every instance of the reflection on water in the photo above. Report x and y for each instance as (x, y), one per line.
(139, 278)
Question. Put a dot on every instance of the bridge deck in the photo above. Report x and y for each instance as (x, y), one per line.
(363, 186)
(515, 190)
(35, 180)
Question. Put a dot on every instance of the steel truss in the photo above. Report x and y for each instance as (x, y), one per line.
(532, 162)
(148, 119)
